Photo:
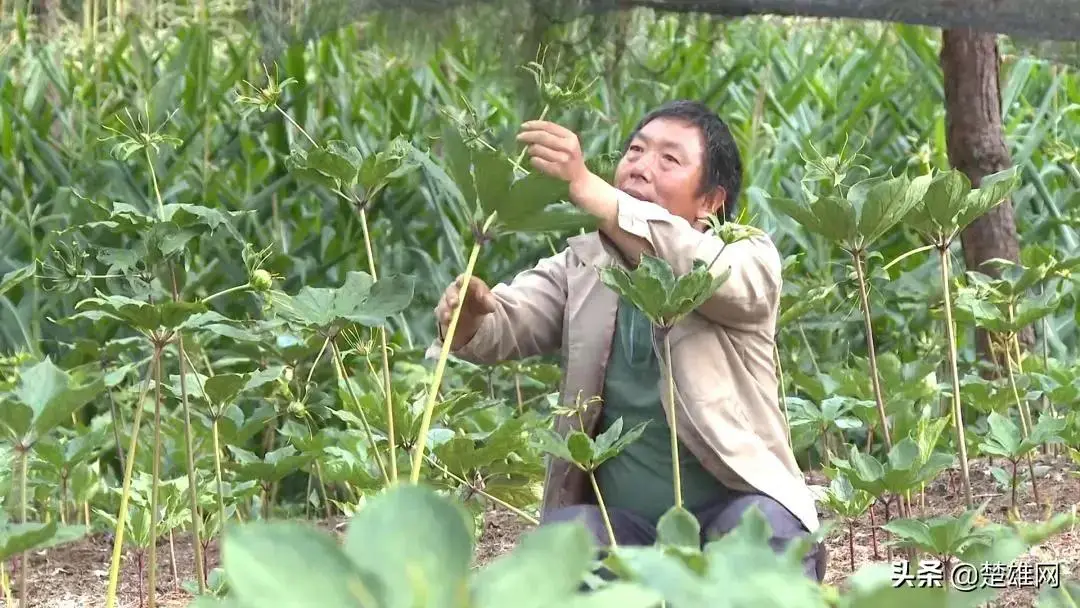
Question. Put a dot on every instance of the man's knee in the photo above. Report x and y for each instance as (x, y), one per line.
(784, 525)
(589, 515)
(628, 528)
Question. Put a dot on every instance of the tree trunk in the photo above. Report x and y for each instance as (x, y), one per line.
(976, 145)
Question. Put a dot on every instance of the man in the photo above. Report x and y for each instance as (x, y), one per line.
(680, 166)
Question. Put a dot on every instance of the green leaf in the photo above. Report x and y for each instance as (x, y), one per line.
(51, 395)
(679, 528)
(552, 443)
(620, 444)
(16, 538)
(527, 197)
(945, 200)
(581, 449)
(545, 568)
(613, 595)
(223, 388)
(359, 300)
(186, 216)
(306, 564)
(138, 314)
(17, 276)
(417, 543)
(993, 190)
(915, 531)
(1005, 434)
(837, 219)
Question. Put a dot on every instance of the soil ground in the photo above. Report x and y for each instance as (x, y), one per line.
(75, 576)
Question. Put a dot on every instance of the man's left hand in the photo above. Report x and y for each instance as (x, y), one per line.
(554, 150)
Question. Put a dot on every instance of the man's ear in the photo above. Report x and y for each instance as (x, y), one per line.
(715, 203)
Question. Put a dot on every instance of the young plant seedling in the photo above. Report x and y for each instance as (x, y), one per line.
(948, 206)
(44, 398)
(907, 467)
(356, 179)
(854, 217)
(945, 537)
(1006, 440)
(849, 504)
(587, 453)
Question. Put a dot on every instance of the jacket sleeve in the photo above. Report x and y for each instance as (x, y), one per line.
(528, 317)
(750, 296)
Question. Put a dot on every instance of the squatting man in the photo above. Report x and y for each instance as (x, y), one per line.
(679, 166)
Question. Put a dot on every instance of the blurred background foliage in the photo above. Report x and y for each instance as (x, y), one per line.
(366, 75)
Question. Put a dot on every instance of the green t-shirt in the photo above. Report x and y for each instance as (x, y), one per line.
(640, 478)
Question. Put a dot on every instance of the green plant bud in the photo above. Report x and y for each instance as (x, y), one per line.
(297, 408)
(731, 232)
(261, 280)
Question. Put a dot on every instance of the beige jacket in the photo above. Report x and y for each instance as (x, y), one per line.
(727, 405)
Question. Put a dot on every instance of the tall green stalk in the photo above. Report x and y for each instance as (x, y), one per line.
(386, 383)
(864, 300)
(125, 492)
(154, 485)
(1025, 420)
(958, 420)
(676, 473)
(24, 559)
(440, 367)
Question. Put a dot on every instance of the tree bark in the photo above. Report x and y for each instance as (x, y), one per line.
(976, 145)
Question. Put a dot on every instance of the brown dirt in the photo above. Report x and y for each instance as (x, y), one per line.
(1059, 487)
(75, 576)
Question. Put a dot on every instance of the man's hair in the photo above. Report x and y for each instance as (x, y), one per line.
(721, 165)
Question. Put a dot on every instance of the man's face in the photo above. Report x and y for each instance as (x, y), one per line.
(664, 164)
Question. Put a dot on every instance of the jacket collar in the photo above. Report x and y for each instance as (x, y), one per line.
(595, 249)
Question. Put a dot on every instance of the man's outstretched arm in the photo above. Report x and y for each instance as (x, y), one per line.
(748, 297)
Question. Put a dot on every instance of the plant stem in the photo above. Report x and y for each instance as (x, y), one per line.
(153, 180)
(340, 365)
(125, 493)
(521, 155)
(24, 559)
(387, 385)
(217, 475)
(156, 473)
(172, 561)
(851, 544)
(440, 367)
(224, 292)
(296, 126)
(676, 473)
(958, 420)
(864, 299)
(1013, 486)
(603, 510)
(117, 422)
(783, 393)
(5, 585)
(193, 490)
(509, 507)
(1025, 429)
(63, 498)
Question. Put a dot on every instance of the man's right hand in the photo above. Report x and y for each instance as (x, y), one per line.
(479, 302)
